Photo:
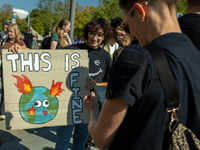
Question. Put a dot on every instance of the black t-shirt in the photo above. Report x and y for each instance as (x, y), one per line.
(99, 61)
(28, 39)
(134, 79)
(189, 21)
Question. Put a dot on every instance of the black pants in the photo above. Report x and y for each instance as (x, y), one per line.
(2, 106)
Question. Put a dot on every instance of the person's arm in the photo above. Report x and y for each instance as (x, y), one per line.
(104, 126)
(53, 45)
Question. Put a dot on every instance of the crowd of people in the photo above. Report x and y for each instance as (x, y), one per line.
(134, 113)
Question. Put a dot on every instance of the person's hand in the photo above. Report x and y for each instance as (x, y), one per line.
(15, 48)
(90, 102)
(91, 83)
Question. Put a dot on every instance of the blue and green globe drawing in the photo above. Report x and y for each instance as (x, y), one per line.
(38, 106)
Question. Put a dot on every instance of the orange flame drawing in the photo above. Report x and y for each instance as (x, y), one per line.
(23, 85)
(56, 89)
(31, 111)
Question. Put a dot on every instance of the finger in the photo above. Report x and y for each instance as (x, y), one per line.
(89, 79)
(92, 94)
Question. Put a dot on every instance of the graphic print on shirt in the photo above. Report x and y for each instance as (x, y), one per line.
(97, 63)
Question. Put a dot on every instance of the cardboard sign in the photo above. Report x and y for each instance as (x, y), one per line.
(45, 88)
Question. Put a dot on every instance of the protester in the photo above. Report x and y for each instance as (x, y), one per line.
(60, 37)
(133, 116)
(191, 19)
(117, 34)
(126, 40)
(96, 32)
(28, 37)
(118, 30)
(3, 33)
(14, 36)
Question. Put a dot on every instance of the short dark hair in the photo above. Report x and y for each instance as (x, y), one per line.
(116, 22)
(96, 24)
(28, 29)
(128, 4)
(193, 2)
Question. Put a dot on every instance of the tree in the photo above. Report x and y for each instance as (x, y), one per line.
(47, 11)
(83, 16)
(108, 9)
(6, 12)
(181, 6)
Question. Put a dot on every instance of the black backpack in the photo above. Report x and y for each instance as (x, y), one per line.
(47, 42)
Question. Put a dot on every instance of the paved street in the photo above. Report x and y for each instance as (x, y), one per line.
(30, 139)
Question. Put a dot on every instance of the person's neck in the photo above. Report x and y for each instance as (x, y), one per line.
(193, 10)
(4, 29)
(164, 25)
(112, 41)
(11, 40)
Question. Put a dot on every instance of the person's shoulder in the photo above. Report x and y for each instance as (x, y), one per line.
(120, 43)
(76, 46)
(135, 49)
(21, 42)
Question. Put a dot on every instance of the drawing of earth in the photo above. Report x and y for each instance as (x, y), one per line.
(38, 106)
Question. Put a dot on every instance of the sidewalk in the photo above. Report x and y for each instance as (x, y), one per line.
(29, 139)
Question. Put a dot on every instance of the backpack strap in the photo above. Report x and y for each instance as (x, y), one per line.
(193, 31)
(166, 76)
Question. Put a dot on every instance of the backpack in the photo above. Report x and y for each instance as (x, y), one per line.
(47, 42)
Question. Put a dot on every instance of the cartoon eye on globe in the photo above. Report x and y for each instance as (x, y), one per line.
(37, 105)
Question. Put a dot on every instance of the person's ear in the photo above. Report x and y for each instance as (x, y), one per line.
(63, 26)
(141, 10)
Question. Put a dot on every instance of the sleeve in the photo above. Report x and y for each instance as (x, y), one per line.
(129, 76)
(54, 37)
(21, 43)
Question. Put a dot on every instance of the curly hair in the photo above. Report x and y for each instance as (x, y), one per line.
(17, 32)
(193, 2)
(96, 24)
(116, 22)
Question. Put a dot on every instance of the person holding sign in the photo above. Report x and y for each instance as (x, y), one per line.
(96, 32)
(134, 115)
(14, 36)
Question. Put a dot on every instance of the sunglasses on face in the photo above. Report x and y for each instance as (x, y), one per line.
(123, 25)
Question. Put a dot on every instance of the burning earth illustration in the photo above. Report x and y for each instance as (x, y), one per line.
(37, 105)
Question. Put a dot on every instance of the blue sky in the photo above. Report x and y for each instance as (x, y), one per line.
(28, 5)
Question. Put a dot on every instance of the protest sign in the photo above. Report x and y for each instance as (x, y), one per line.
(45, 88)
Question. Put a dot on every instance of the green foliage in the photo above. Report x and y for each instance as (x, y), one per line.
(5, 13)
(108, 9)
(49, 13)
(181, 6)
